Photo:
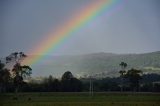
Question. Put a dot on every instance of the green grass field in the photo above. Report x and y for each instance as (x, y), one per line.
(80, 99)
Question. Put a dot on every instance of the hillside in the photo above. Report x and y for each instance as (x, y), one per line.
(99, 64)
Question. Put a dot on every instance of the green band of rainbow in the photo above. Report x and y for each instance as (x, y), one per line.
(65, 31)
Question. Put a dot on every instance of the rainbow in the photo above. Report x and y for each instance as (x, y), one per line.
(65, 31)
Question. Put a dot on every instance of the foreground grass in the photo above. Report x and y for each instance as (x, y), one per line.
(80, 99)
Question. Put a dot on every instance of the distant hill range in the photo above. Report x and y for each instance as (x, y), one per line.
(96, 64)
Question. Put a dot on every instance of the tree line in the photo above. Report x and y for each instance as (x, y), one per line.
(12, 80)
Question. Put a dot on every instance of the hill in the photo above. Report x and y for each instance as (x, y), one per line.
(97, 64)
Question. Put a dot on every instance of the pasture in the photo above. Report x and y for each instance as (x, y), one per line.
(80, 99)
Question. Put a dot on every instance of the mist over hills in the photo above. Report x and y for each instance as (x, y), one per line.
(96, 64)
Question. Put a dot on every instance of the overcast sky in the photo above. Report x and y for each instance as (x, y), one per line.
(134, 27)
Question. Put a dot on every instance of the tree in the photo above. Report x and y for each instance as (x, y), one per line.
(15, 57)
(56, 85)
(123, 67)
(69, 83)
(67, 76)
(51, 84)
(76, 85)
(134, 77)
(66, 81)
(4, 77)
(122, 73)
(19, 71)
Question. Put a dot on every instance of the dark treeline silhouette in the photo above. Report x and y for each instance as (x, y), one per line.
(13, 80)
(68, 83)
(71, 84)
(148, 83)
